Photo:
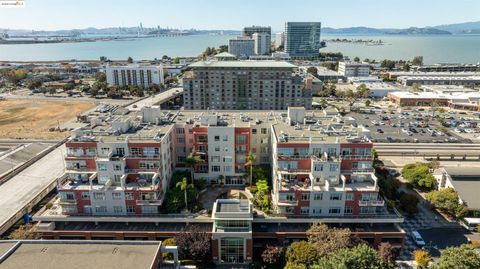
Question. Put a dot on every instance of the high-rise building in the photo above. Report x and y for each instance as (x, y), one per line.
(241, 47)
(262, 43)
(280, 39)
(263, 39)
(302, 39)
(249, 31)
(134, 74)
(263, 85)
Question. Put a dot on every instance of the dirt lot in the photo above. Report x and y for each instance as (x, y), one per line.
(32, 119)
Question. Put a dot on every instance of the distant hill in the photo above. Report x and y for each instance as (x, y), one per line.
(461, 28)
(377, 31)
(418, 31)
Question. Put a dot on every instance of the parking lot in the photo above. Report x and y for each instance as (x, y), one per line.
(417, 125)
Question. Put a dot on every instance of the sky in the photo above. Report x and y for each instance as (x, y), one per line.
(233, 15)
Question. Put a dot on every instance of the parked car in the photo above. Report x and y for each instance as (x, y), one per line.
(380, 131)
(417, 238)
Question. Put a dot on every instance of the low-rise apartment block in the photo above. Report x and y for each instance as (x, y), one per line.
(244, 85)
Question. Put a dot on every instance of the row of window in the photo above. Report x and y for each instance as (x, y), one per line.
(319, 196)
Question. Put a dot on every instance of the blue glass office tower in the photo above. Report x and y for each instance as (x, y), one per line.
(302, 39)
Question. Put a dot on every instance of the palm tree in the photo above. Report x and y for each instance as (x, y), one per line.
(251, 158)
(191, 160)
(183, 185)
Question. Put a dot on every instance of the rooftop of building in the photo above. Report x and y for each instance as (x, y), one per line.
(435, 95)
(440, 77)
(243, 64)
(54, 254)
(232, 208)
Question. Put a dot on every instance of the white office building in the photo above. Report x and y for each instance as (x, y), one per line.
(353, 69)
(262, 43)
(134, 74)
(242, 47)
(280, 39)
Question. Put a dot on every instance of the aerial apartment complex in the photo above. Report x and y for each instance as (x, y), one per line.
(302, 39)
(119, 167)
(353, 69)
(134, 74)
(252, 85)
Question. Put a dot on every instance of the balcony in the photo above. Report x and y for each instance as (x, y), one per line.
(357, 157)
(371, 203)
(65, 201)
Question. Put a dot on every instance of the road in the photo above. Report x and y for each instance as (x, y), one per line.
(156, 99)
(19, 192)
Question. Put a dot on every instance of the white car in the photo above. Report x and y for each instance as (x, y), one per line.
(417, 238)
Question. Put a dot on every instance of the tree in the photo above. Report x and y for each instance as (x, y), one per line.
(363, 91)
(447, 200)
(422, 258)
(386, 252)
(130, 60)
(463, 257)
(34, 83)
(153, 88)
(69, 86)
(300, 253)
(103, 59)
(361, 256)
(184, 185)
(416, 87)
(388, 64)
(418, 174)
(408, 203)
(367, 103)
(168, 242)
(100, 77)
(312, 70)
(356, 59)
(223, 48)
(417, 60)
(194, 244)
(327, 240)
(250, 160)
(478, 68)
(191, 160)
(52, 91)
(273, 256)
(406, 67)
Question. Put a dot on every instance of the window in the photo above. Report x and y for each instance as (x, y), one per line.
(348, 210)
(130, 209)
(101, 209)
(117, 209)
(304, 210)
(264, 130)
(333, 167)
(99, 196)
(116, 195)
(241, 139)
(254, 131)
(217, 138)
(367, 210)
(316, 211)
(215, 168)
(227, 168)
(180, 131)
(181, 140)
(318, 167)
(225, 138)
(87, 209)
(231, 250)
(334, 210)
(349, 196)
(149, 209)
(202, 138)
(102, 167)
(227, 159)
(86, 195)
(317, 196)
(129, 196)
(117, 167)
(305, 196)
(215, 159)
(217, 148)
(135, 151)
(335, 196)
(290, 210)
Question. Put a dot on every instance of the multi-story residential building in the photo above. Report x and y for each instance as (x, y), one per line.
(280, 39)
(318, 170)
(257, 85)
(302, 39)
(242, 47)
(119, 167)
(353, 69)
(262, 43)
(134, 74)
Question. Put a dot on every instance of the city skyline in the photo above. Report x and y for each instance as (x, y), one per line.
(198, 14)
